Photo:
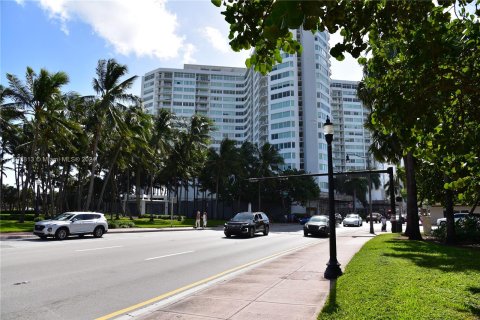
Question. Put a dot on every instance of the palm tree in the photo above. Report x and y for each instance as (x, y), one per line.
(38, 98)
(137, 127)
(269, 161)
(111, 90)
(220, 166)
(9, 126)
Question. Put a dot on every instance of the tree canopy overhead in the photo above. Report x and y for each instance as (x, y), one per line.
(266, 24)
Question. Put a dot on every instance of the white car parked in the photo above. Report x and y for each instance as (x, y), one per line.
(72, 223)
(456, 217)
(352, 220)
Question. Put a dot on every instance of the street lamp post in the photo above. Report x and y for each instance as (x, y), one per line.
(369, 190)
(333, 270)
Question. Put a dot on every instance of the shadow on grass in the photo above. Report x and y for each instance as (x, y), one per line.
(434, 256)
(331, 305)
(475, 309)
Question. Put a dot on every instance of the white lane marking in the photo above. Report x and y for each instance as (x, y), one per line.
(168, 255)
(99, 248)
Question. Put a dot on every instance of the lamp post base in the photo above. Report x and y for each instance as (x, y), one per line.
(333, 270)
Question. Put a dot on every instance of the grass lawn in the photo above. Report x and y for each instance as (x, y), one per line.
(15, 226)
(392, 278)
(27, 226)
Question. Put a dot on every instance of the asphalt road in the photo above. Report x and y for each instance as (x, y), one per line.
(89, 278)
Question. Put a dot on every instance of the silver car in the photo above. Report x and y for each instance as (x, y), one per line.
(317, 225)
(72, 223)
(352, 220)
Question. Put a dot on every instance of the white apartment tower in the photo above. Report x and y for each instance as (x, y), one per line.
(350, 138)
(221, 93)
(286, 108)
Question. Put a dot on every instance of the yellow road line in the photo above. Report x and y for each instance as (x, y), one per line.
(189, 286)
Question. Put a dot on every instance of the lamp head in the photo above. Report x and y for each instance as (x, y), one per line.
(328, 131)
(328, 127)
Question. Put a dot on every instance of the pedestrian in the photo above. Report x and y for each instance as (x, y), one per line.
(197, 220)
(204, 219)
(384, 223)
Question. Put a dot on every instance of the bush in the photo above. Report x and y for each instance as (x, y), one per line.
(467, 230)
(167, 217)
(120, 224)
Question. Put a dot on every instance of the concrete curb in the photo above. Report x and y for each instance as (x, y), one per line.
(27, 235)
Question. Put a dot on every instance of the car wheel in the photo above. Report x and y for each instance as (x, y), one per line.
(443, 223)
(61, 234)
(266, 230)
(305, 233)
(98, 232)
(251, 232)
(228, 235)
(43, 237)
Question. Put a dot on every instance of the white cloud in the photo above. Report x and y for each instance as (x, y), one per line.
(142, 27)
(188, 51)
(216, 39)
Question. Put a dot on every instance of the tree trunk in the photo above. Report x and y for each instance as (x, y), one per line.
(94, 164)
(413, 227)
(137, 189)
(24, 195)
(259, 195)
(151, 198)
(216, 197)
(61, 189)
(474, 205)
(115, 196)
(107, 178)
(17, 182)
(354, 207)
(451, 237)
(79, 189)
(127, 194)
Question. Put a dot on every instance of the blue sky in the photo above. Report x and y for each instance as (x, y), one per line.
(71, 36)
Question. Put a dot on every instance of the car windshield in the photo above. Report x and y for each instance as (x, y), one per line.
(242, 216)
(64, 216)
(319, 219)
(351, 216)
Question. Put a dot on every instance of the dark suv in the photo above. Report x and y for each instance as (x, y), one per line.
(376, 217)
(247, 223)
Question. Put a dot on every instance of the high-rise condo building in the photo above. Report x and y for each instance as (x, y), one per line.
(351, 138)
(286, 108)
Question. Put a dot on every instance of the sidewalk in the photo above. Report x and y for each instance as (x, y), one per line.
(289, 287)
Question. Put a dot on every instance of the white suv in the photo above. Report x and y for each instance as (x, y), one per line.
(72, 223)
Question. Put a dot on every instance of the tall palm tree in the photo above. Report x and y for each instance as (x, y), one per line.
(137, 127)
(220, 166)
(269, 161)
(111, 91)
(37, 97)
(10, 118)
